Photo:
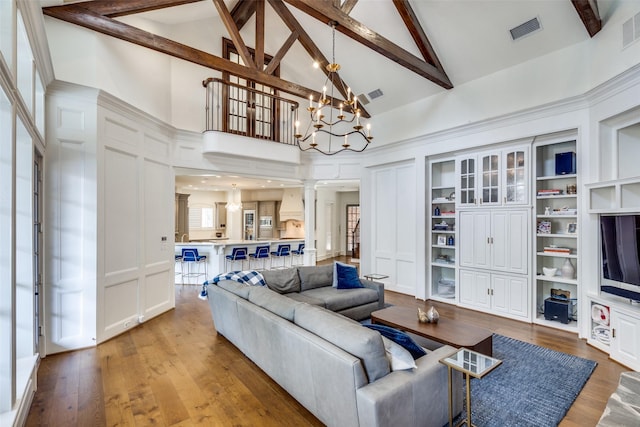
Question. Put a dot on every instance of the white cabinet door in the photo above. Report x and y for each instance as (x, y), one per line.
(516, 176)
(475, 288)
(509, 241)
(509, 294)
(474, 239)
(625, 339)
(466, 180)
(489, 179)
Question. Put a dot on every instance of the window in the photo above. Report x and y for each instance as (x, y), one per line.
(201, 217)
(247, 110)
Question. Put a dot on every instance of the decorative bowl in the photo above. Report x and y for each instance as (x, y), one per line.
(549, 271)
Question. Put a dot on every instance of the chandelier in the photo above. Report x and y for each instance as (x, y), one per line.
(234, 205)
(331, 130)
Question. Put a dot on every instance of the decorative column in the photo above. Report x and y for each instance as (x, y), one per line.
(310, 222)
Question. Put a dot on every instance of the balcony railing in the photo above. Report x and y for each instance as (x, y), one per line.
(243, 110)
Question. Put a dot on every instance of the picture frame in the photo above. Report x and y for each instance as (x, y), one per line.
(544, 227)
(572, 228)
(442, 240)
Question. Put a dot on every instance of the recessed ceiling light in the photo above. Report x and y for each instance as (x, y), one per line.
(281, 185)
(233, 176)
(268, 180)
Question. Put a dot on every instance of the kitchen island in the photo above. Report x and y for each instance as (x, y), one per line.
(216, 249)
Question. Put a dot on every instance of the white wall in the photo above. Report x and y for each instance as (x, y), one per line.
(109, 261)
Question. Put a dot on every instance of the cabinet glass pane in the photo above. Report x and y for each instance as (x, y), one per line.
(520, 157)
(485, 180)
(494, 178)
(494, 162)
(485, 194)
(485, 163)
(463, 166)
(472, 181)
(510, 158)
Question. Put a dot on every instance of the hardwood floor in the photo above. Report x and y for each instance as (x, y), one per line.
(174, 370)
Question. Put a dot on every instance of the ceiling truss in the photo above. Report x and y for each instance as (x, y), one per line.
(98, 15)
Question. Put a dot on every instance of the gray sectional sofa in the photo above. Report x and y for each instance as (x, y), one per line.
(335, 367)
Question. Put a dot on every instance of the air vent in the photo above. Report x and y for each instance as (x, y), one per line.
(362, 99)
(631, 30)
(375, 94)
(525, 29)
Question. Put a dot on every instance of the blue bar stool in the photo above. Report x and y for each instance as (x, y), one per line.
(261, 253)
(283, 252)
(297, 255)
(237, 254)
(191, 258)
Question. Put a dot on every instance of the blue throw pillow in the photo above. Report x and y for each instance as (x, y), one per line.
(347, 276)
(400, 338)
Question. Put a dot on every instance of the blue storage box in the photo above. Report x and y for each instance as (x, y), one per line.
(566, 163)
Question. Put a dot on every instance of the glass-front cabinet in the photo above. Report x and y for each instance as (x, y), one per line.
(493, 178)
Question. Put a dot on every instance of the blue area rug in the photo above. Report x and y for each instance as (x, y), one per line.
(534, 386)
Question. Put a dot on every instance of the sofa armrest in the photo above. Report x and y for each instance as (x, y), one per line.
(417, 397)
(376, 286)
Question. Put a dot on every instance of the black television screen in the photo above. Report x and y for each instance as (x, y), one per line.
(620, 237)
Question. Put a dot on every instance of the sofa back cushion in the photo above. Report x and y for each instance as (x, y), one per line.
(239, 289)
(347, 334)
(282, 281)
(273, 302)
(315, 277)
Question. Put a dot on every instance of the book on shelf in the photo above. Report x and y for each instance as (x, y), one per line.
(557, 249)
(550, 192)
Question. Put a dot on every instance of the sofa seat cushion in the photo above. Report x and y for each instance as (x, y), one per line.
(348, 335)
(341, 299)
(304, 297)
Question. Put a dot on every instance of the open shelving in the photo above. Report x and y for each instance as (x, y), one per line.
(442, 268)
(556, 202)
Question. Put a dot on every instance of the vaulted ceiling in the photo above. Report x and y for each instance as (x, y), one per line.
(436, 44)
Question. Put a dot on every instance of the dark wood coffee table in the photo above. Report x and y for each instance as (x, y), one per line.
(446, 331)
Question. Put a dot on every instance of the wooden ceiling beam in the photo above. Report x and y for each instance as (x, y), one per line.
(417, 33)
(348, 6)
(259, 49)
(325, 12)
(275, 61)
(588, 12)
(234, 33)
(85, 18)
(313, 50)
(242, 12)
(113, 9)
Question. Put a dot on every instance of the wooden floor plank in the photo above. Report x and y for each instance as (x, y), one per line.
(175, 370)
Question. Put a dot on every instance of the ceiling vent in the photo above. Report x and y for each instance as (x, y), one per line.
(531, 26)
(362, 99)
(631, 30)
(375, 94)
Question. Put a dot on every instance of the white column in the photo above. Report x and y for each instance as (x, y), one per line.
(310, 222)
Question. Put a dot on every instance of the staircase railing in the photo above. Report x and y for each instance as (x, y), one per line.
(243, 110)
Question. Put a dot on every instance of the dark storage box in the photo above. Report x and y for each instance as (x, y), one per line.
(566, 163)
(561, 311)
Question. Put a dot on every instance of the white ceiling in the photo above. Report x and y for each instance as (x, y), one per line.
(470, 37)
(193, 180)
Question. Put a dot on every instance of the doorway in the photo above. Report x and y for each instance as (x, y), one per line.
(353, 231)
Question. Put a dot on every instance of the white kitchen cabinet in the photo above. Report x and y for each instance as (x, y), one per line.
(496, 293)
(494, 240)
(493, 178)
(625, 338)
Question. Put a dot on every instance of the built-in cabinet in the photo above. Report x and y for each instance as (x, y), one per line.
(493, 248)
(442, 225)
(493, 178)
(556, 227)
(494, 240)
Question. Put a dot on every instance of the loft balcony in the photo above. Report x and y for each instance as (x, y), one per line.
(245, 119)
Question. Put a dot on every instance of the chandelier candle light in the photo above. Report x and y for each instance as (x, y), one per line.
(323, 122)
